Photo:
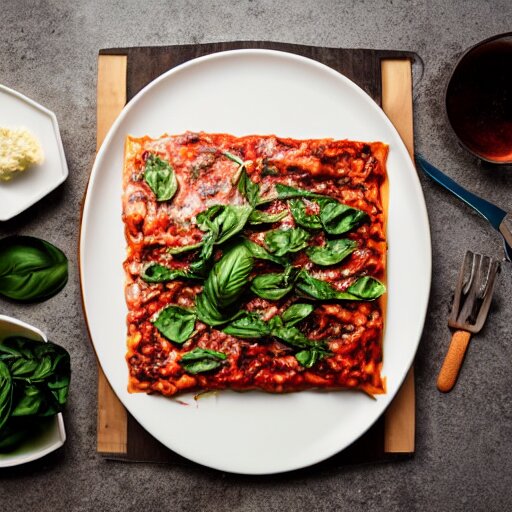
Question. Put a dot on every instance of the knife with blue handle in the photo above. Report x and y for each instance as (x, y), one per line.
(499, 219)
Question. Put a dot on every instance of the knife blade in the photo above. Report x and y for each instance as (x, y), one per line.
(499, 219)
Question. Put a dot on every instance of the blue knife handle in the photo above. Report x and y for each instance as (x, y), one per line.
(486, 209)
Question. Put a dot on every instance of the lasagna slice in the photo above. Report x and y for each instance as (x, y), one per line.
(254, 262)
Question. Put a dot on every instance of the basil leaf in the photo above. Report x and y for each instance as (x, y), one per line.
(202, 360)
(308, 358)
(224, 285)
(31, 269)
(241, 166)
(256, 217)
(175, 323)
(234, 158)
(315, 288)
(157, 273)
(210, 314)
(286, 192)
(302, 218)
(275, 286)
(5, 393)
(40, 375)
(259, 252)
(249, 189)
(231, 221)
(206, 217)
(30, 402)
(283, 241)
(296, 312)
(250, 325)
(365, 288)
(184, 248)
(338, 218)
(294, 337)
(332, 252)
(161, 178)
(224, 221)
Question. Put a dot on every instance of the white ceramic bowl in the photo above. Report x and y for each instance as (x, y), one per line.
(53, 435)
(18, 111)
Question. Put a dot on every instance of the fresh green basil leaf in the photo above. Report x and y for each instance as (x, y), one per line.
(275, 286)
(199, 268)
(316, 288)
(202, 360)
(31, 269)
(224, 221)
(5, 393)
(308, 358)
(275, 323)
(241, 166)
(283, 241)
(256, 217)
(249, 325)
(231, 221)
(234, 158)
(294, 337)
(205, 218)
(296, 312)
(302, 218)
(249, 189)
(40, 375)
(334, 251)
(185, 248)
(157, 273)
(338, 218)
(229, 276)
(365, 288)
(259, 252)
(160, 177)
(30, 402)
(224, 285)
(286, 192)
(175, 323)
(210, 314)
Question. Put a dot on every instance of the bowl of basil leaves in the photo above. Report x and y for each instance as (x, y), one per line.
(34, 383)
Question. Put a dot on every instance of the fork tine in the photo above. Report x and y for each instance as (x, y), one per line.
(463, 279)
(484, 285)
(472, 287)
(494, 269)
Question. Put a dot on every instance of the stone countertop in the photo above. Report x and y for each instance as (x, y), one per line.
(48, 52)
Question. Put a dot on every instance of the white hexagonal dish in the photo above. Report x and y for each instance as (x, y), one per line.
(18, 111)
(52, 435)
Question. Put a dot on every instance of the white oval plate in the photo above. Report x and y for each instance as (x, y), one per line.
(18, 111)
(255, 92)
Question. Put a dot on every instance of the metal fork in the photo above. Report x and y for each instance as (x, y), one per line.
(471, 303)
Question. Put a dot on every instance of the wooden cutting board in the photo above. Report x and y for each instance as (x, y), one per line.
(387, 77)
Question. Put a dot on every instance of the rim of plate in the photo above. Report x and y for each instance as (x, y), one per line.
(421, 210)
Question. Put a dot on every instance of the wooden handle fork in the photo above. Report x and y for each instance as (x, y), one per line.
(453, 361)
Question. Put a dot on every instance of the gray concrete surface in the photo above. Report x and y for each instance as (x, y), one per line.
(464, 440)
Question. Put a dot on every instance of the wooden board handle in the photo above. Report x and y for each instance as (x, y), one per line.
(453, 361)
